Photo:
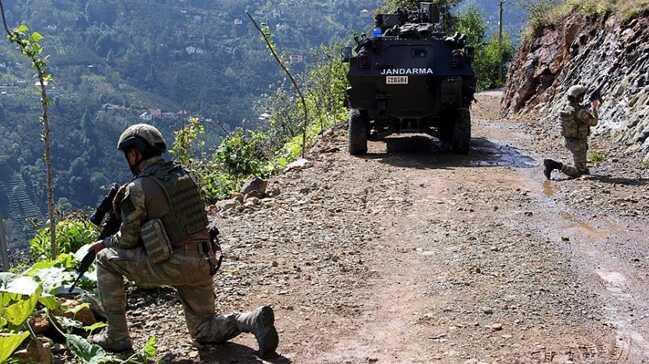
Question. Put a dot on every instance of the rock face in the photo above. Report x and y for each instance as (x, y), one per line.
(597, 52)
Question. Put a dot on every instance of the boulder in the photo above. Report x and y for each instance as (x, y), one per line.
(255, 187)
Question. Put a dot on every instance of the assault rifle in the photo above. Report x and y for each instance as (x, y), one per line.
(108, 228)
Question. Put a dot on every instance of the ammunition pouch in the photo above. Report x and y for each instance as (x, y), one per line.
(156, 241)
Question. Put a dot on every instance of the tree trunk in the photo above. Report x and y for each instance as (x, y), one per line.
(51, 211)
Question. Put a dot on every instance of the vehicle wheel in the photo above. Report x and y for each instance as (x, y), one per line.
(358, 133)
(446, 128)
(461, 142)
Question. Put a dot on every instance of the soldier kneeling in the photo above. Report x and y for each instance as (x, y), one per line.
(164, 240)
(576, 122)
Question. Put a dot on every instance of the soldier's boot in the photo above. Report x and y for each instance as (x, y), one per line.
(549, 165)
(260, 322)
(115, 337)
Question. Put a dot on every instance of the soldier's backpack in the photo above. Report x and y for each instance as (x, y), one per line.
(569, 122)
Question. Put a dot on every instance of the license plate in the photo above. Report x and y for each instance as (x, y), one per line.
(396, 80)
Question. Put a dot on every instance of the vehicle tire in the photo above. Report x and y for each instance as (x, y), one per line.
(461, 142)
(358, 132)
(446, 128)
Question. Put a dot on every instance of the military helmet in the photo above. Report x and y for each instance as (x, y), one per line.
(139, 134)
(577, 91)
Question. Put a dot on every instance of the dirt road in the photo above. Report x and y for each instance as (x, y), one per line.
(414, 255)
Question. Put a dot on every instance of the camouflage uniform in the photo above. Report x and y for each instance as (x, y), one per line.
(576, 122)
(189, 269)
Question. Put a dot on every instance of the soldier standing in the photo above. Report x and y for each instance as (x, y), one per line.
(163, 240)
(576, 122)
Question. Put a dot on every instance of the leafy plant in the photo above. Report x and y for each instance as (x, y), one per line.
(242, 154)
(19, 296)
(185, 141)
(73, 234)
(89, 353)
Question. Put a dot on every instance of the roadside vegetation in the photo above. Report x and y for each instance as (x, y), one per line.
(546, 13)
(278, 141)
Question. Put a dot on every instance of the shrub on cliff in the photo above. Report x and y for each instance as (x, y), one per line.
(545, 13)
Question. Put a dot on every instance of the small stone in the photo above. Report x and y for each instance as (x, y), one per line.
(496, 327)
(487, 311)
(299, 165)
(255, 187)
(40, 324)
(226, 205)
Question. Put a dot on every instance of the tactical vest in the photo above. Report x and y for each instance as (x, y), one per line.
(187, 215)
(571, 126)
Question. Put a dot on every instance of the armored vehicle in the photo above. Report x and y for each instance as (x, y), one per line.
(410, 76)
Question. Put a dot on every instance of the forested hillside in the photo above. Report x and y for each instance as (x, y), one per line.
(119, 61)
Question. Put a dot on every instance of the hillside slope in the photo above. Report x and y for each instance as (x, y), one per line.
(598, 51)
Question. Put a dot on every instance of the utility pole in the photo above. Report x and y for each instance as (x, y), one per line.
(4, 247)
(501, 71)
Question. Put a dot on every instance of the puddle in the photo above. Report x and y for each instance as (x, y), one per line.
(428, 152)
(583, 227)
(491, 155)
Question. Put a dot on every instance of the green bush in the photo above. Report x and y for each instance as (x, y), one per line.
(71, 235)
(488, 61)
(489, 53)
(244, 153)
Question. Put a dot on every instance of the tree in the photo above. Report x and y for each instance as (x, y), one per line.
(489, 53)
(392, 5)
(30, 46)
(471, 23)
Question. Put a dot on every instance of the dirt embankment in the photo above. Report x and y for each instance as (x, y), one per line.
(600, 52)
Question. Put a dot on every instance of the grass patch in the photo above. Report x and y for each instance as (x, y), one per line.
(597, 156)
(549, 13)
